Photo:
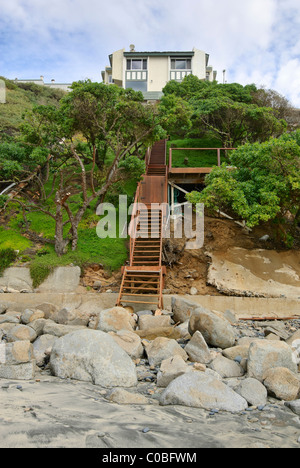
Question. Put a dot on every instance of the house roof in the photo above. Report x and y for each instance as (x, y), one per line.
(159, 54)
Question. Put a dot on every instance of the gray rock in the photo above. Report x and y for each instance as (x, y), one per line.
(170, 369)
(65, 279)
(42, 348)
(226, 368)
(48, 309)
(294, 406)
(253, 391)
(265, 355)
(200, 390)
(3, 308)
(70, 317)
(163, 348)
(15, 279)
(92, 356)
(8, 319)
(197, 349)
(21, 333)
(182, 309)
(216, 330)
(52, 328)
(38, 326)
(24, 371)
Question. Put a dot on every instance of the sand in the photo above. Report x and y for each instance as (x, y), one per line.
(56, 413)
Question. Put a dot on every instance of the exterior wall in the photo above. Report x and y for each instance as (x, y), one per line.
(118, 67)
(199, 64)
(158, 73)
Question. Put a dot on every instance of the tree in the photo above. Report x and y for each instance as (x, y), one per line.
(91, 138)
(262, 185)
(229, 111)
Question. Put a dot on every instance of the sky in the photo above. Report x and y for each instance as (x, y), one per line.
(255, 41)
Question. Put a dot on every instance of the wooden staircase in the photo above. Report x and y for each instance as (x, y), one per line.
(143, 279)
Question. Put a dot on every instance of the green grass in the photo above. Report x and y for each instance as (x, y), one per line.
(7, 257)
(10, 238)
(195, 158)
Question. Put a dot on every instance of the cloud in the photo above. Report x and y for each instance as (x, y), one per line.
(254, 40)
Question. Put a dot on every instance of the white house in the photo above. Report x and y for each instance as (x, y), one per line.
(40, 81)
(149, 72)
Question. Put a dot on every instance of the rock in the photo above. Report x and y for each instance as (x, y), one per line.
(65, 279)
(216, 331)
(198, 350)
(70, 317)
(42, 348)
(24, 371)
(18, 352)
(265, 355)
(147, 322)
(21, 333)
(38, 326)
(15, 279)
(293, 338)
(182, 309)
(97, 285)
(282, 384)
(163, 348)
(3, 309)
(52, 328)
(294, 406)
(153, 333)
(272, 337)
(237, 351)
(183, 329)
(170, 369)
(31, 315)
(282, 334)
(8, 319)
(144, 312)
(114, 320)
(48, 309)
(231, 317)
(92, 356)
(193, 291)
(253, 391)
(200, 390)
(130, 342)
(226, 368)
(122, 397)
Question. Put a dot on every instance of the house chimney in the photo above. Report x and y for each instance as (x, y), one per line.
(42, 78)
(52, 81)
(132, 48)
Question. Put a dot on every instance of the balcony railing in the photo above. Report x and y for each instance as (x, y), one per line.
(179, 75)
(136, 75)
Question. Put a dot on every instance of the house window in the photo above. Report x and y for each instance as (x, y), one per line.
(181, 64)
(137, 85)
(110, 80)
(136, 64)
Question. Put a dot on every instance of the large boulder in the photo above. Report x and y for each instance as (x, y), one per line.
(200, 390)
(68, 316)
(197, 349)
(55, 329)
(163, 348)
(29, 316)
(294, 406)
(216, 330)
(282, 384)
(114, 320)
(253, 391)
(92, 356)
(265, 355)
